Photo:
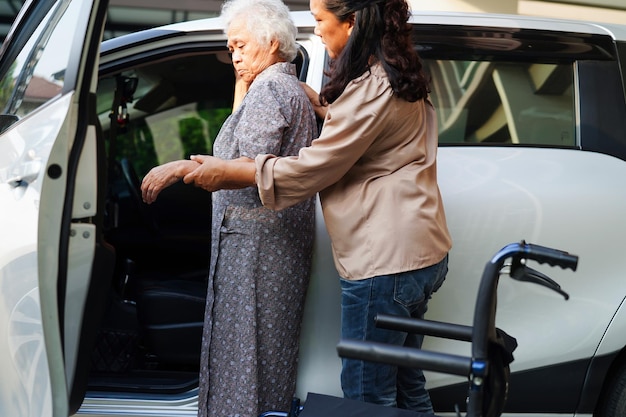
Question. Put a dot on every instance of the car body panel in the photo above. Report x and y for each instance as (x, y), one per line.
(470, 180)
(37, 166)
(480, 185)
(612, 342)
(24, 349)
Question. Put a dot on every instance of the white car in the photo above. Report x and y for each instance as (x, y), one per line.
(102, 297)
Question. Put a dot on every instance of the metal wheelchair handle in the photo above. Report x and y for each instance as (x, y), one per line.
(405, 357)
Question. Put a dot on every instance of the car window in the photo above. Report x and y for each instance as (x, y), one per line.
(175, 110)
(37, 73)
(484, 102)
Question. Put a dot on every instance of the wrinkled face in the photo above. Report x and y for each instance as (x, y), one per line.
(249, 57)
(333, 32)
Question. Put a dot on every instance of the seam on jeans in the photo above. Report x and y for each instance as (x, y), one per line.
(441, 275)
(366, 336)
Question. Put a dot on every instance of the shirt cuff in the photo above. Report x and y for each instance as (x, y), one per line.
(264, 178)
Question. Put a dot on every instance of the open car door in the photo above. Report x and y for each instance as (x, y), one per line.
(50, 253)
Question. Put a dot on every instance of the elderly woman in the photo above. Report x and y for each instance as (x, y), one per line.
(261, 259)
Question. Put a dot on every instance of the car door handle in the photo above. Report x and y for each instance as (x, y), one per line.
(30, 172)
(18, 181)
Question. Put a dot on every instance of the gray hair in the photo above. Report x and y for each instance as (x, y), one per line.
(265, 20)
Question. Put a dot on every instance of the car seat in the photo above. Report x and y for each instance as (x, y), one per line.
(171, 315)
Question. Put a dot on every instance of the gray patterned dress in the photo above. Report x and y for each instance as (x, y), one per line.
(260, 261)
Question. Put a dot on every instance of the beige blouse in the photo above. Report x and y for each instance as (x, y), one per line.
(374, 166)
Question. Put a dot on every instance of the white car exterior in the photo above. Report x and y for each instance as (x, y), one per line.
(533, 146)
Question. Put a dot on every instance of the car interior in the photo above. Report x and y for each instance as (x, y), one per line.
(152, 113)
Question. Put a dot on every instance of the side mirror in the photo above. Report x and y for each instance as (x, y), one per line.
(6, 121)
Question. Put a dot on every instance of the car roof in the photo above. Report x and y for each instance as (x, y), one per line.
(617, 32)
(305, 22)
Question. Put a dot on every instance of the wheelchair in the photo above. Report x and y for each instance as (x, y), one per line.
(487, 369)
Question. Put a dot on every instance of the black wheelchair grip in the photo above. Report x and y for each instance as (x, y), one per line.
(552, 257)
(405, 357)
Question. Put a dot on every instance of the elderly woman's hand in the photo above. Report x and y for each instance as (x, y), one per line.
(241, 89)
(162, 176)
(314, 98)
(216, 174)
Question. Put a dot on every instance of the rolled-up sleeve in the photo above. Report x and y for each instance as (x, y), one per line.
(265, 179)
(285, 181)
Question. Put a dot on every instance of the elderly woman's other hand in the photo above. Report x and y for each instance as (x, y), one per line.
(162, 176)
(314, 98)
(241, 88)
(216, 174)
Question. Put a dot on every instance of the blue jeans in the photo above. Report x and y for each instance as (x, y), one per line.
(405, 294)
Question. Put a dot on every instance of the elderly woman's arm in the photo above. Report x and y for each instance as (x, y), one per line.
(217, 174)
(162, 176)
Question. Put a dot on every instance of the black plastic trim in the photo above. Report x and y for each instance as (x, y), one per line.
(602, 108)
(621, 52)
(474, 43)
(571, 387)
(600, 371)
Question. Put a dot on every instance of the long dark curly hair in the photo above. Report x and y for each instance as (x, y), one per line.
(381, 31)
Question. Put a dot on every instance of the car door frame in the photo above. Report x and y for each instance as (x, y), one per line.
(77, 221)
(70, 207)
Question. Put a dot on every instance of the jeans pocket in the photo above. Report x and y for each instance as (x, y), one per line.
(408, 291)
(413, 288)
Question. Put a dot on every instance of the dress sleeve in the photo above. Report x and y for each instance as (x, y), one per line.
(262, 123)
(352, 124)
